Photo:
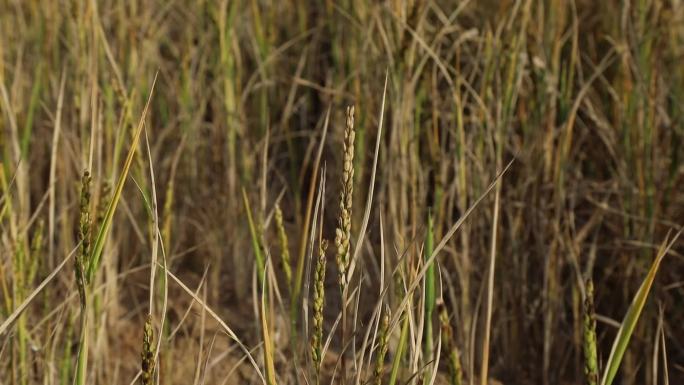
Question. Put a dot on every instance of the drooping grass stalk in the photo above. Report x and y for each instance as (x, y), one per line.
(590, 355)
(318, 304)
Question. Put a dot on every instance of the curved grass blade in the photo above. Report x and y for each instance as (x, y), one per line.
(632, 316)
(109, 215)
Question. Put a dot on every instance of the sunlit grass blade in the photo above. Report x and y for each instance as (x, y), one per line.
(396, 363)
(266, 335)
(107, 221)
(632, 315)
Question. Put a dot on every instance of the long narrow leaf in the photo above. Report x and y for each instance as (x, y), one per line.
(632, 316)
(255, 239)
(429, 288)
(109, 215)
(266, 335)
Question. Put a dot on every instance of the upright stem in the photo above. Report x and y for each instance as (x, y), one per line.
(82, 364)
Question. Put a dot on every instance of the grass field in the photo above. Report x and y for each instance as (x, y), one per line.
(350, 192)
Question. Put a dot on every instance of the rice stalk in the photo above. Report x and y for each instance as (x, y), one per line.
(80, 265)
(256, 239)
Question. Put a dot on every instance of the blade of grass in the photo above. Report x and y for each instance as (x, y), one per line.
(218, 319)
(255, 239)
(445, 239)
(400, 351)
(107, 221)
(299, 273)
(20, 309)
(632, 315)
(484, 369)
(429, 289)
(268, 341)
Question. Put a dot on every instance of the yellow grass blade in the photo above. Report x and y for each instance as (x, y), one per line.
(632, 316)
(109, 215)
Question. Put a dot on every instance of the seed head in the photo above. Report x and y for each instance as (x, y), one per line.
(83, 257)
(343, 231)
(147, 354)
(318, 303)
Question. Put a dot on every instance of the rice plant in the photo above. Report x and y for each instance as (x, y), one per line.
(482, 159)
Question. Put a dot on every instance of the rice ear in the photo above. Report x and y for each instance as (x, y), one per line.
(147, 355)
